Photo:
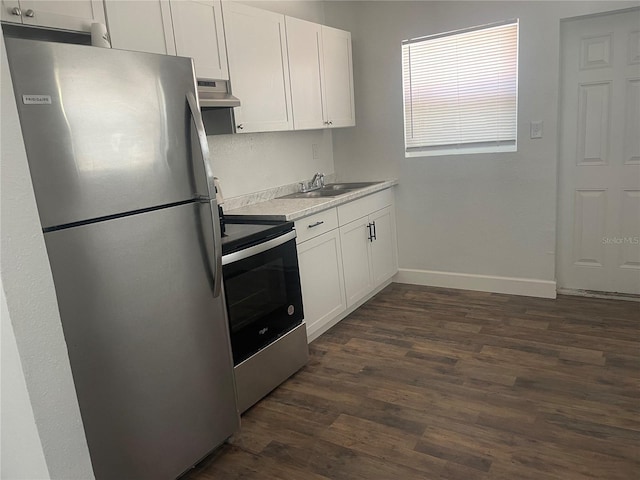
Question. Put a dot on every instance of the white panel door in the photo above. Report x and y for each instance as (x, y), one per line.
(356, 259)
(384, 261)
(199, 34)
(320, 262)
(599, 188)
(141, 26)
(338, 75)
(77, 15)
(304, 45)
(259, 68)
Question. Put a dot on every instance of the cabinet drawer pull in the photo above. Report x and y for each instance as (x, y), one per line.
(316, 224)
(16, 11)
(30, 13)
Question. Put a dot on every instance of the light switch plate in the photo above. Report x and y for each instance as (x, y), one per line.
(535, 129)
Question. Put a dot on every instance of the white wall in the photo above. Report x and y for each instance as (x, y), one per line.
(475, 215)
(21, 455)
(310, 10)
(247, 163)
(33, 312)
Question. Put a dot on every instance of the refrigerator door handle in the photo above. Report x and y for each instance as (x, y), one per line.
(204, 148)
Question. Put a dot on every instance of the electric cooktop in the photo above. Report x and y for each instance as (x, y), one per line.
(240, 234)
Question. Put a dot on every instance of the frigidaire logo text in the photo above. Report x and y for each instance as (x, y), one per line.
(263, 331)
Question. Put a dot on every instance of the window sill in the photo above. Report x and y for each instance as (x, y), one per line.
(461, 151)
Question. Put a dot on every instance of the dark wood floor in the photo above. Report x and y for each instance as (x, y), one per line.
(429, 383)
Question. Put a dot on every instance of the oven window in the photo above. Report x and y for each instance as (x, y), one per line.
(264, 298)
(255, 293)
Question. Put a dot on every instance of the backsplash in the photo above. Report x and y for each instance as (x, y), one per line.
(259, 162)
(268, 194)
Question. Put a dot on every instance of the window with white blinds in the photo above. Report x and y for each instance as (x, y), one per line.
(461, 91)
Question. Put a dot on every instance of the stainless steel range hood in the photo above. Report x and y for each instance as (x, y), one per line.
(215, 94)
(216, 104)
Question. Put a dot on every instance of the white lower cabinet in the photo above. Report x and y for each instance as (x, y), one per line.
(384, 261)
(320, 261)
(345, 254)
(369, 253)
(356, 260)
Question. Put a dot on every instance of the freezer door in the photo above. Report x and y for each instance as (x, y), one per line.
(106, 131)
(147, 340)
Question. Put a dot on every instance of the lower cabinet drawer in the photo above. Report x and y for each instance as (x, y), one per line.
(316, 224)
(364, 206)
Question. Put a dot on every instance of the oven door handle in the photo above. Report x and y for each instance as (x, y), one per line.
(216, 265)
(256, 249)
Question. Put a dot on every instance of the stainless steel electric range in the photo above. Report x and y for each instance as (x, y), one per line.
(264, 305)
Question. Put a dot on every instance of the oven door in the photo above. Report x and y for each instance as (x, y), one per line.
(263, 294)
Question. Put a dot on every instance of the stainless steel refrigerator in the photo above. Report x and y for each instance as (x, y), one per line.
(119, 163)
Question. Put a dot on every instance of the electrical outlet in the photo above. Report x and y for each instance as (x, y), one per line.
(315, 151)
(535, 130)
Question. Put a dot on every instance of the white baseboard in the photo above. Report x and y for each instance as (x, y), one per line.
(485, 283)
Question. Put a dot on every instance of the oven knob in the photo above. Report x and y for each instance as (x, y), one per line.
(290, 310)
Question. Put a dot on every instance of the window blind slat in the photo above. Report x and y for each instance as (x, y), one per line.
(461, 89)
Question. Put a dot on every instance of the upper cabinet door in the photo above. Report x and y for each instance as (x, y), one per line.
(199, 34)
(10, 11)
(304, 45)
(141, 25)
(259, 70)
(338, 74)
(77, 15)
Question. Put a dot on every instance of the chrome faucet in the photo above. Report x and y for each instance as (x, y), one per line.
(317, 181)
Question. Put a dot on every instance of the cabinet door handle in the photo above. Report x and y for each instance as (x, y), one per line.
(30, 13)
(316, 224)
(16, 11)
(373, 236)
(370, 237)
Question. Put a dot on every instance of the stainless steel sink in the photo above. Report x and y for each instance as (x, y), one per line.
(332, 190)
(316, 194)
(348, 185)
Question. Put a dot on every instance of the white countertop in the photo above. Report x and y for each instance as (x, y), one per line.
(290, 209)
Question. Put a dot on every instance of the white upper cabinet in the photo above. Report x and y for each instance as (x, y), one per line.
(187, 28)
(339, 103)
(76, 15)
(258, 67)
(141, 25)
(304, 44)
(321, 75)
(199, 34)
